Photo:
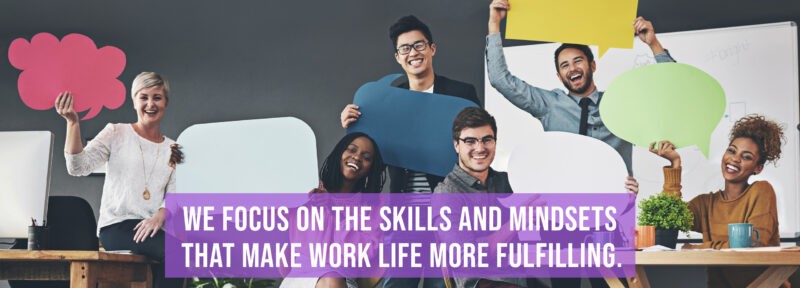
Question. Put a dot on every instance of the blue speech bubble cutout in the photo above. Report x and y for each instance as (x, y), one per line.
(412, 129)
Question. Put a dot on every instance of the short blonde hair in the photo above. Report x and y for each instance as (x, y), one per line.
(149, 80)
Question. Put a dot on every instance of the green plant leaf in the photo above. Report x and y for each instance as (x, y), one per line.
(665, 211)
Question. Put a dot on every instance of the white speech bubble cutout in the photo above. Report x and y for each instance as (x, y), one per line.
(276, 155)
(561, 162)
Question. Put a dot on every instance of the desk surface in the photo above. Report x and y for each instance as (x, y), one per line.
(50, 255)
(81, 268)
(717, 258)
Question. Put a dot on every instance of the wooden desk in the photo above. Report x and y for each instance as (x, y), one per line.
(81, 268)
(781, 264)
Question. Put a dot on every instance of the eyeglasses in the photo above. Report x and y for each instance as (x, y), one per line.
(419, 46)
(472, 141)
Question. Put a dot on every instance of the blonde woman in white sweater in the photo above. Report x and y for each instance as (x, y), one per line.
(139, 171)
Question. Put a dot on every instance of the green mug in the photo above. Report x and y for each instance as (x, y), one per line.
(740, 235)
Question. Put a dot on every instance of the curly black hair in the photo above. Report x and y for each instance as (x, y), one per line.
(767, 134)
(331, 172)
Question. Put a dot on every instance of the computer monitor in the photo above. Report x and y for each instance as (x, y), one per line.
(25, 159)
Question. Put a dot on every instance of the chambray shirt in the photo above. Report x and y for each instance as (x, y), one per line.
(557, 110)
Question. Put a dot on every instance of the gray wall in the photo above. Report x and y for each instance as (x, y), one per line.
(234, 60)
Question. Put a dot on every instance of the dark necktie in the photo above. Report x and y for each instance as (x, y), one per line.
(584, 103)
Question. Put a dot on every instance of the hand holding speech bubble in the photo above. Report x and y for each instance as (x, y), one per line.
(666, 101)
(74, 64)
(602, 23)
(413, 129)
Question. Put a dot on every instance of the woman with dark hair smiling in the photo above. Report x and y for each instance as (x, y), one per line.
(754, 141)
(354, 166)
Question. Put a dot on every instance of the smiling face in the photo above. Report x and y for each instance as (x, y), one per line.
(476, 158)
(150, 105)
(357, 159)
(415, 63)
(740, 160)
(576, 72)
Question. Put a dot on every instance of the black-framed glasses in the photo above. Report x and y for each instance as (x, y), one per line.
(472, 141)
(419, 46)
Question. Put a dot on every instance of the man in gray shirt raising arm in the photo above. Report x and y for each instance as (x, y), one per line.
(575, 110)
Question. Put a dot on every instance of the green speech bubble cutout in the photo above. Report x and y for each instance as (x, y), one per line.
(667, 101)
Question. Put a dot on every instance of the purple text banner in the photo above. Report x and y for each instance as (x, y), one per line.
(401, 235)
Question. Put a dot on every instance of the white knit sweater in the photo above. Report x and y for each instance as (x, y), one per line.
(122, 149)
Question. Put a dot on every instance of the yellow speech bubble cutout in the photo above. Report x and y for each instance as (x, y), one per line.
(607, 23)
(666, 101)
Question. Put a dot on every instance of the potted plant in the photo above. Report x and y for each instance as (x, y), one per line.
(231, 283)
(669, 214)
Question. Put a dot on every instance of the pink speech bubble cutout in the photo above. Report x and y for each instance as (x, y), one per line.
(50, 67)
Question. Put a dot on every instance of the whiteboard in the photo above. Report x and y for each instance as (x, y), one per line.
(24, 180)
(756, 66)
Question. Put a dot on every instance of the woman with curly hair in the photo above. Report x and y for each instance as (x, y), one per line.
(754, 141)
(354, 166)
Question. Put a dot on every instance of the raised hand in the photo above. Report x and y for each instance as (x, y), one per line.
(65, 107)
(644, 29)
(666, 150)
(349, 115)
(497, 11)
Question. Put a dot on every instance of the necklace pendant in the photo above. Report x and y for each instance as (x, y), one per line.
(146, 194)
